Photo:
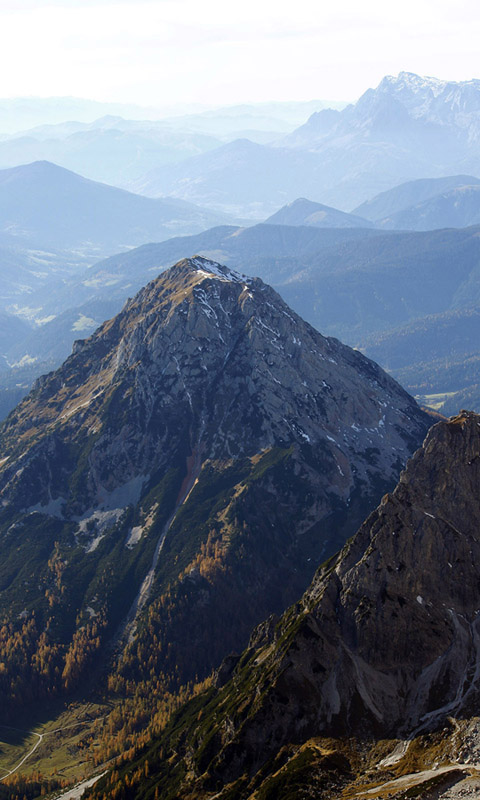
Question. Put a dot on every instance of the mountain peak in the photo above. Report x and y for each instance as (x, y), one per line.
(222, 346)
(411, 80)
(205, 267)
(317, 215)
(207, 444)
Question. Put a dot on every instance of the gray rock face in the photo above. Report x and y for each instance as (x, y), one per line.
(207, 351)
(386, 641)
(191, 462)
(385, 644)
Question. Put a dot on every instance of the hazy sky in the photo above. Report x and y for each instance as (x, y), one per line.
(214, 51)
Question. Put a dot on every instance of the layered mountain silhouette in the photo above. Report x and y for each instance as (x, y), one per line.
(409, 194)
(110, 149)
(427, 205)
(348, 282)
(43, 205)
(409, 127)
(305, 212)
(241, 178)
(458, 208)
(422, 205)
(178, 478)
(116, 144)
(383, 645)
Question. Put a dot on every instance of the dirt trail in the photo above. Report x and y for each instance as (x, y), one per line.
(40, 738)
(413, 779)
(30, 752)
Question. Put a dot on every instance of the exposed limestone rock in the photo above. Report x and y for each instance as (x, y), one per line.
(203, 449)
(384, 643)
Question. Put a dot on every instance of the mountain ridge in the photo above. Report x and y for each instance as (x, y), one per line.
(378, 658)
(87, 215)
(405, 129)
(306, 212)
(408, 194)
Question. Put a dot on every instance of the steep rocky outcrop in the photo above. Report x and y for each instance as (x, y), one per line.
(179, 477)
(385, 643)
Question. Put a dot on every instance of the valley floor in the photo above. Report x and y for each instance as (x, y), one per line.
(55, 747)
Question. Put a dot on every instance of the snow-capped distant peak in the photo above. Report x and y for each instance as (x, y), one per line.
(414, 83)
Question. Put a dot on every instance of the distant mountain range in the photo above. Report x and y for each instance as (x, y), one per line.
(408, 127)
(21, 113)
(316, 215)
(457, 208)
(259, 122)
(241, 178)
(349, 279)
(97, 140)
(50, 206)
(111, 150)
(426, 204)
(354, 283)
(422, 205)
(410, 194)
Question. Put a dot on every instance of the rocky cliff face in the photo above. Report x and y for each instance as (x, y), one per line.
(224, 355)
(385, 642)
(186, 468)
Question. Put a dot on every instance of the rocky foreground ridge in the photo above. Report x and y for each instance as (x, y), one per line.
(384, 644)
(178, 478)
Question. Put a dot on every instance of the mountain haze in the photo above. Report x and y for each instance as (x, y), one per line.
(44, 205)
(410, 194)
(305, 212)
(110, 149)
(457, 208)
(407, 128)
(241, 178)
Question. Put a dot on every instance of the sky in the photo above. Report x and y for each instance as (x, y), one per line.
(214, 52)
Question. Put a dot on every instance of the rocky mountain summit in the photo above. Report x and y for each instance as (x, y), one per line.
(178, 478)
(384, 644)
(447, 112)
